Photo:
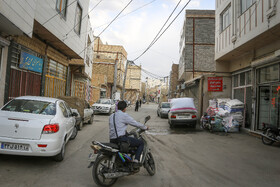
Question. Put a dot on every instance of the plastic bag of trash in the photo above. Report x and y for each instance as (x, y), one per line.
(183, 104)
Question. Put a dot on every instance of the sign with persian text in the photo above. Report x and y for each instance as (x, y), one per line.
(215, 84)
(31, 62)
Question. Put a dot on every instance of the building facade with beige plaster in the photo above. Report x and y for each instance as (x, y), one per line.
(248, 49)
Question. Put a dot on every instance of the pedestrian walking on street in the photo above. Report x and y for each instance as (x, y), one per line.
(136, 106)
(140, 103)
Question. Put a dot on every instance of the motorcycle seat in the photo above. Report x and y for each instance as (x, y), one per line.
(113, 145)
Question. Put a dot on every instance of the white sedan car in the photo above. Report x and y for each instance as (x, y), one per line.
(106, 106)
(36, 126)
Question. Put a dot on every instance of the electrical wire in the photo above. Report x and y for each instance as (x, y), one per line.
(108, 25)
(81, 20)
(155, 40)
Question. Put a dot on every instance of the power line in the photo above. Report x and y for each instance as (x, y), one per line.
(154, 41)
(108, 25)
(82, 20)
(116, 19)
(127, 13)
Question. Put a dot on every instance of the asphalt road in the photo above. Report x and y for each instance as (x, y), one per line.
(184, 157)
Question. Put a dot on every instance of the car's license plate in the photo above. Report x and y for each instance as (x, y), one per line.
(184, 116)
(12, 146)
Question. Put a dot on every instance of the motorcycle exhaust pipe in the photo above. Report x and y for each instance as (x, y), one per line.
(115, 175)
(275, 140)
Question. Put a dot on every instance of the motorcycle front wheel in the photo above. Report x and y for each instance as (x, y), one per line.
(270, 134)
(150, 164)
(101, 166)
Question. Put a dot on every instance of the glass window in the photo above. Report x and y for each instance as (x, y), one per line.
(242, 79)
(248, 77)
(31, 106)
(226, 18)
(165, 105)
(269, 74)
(235, 79)
(245, 4)
(63, 109)
(78, 19)
(61, 6)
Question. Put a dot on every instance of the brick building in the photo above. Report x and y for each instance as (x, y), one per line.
(197, 64)
(173, 81)
(133, 83)
(37, 53)
(105, 58)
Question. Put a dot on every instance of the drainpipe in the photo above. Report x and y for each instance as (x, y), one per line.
(193, 43)
(44, 72)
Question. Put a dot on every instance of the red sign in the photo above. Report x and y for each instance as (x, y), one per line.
(215, 84)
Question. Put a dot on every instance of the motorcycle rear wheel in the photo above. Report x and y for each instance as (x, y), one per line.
(150, 164)
(102, 164)
(270, 134)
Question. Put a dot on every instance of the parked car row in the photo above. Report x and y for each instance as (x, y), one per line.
(41, 126)
(180, 111)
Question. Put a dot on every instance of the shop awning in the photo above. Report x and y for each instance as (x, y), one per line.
(192, 82)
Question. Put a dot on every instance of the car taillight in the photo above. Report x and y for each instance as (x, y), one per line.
(193, 116)
(173, 116)
(212, 119)
(51, 128)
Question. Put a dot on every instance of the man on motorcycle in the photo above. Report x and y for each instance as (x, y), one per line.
(118, 123)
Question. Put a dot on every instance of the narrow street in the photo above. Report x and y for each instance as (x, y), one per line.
(184, 157)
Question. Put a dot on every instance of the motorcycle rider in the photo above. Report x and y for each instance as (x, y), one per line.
(118, 132)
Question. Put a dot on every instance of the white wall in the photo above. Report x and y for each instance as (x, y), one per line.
(59, 26)
(20, 13)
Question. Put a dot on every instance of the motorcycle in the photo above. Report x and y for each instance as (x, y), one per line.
(270, 134)
(207, 122)
(109, 163)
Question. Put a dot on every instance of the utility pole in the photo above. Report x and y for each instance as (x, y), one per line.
(115, 78)
(128, 62)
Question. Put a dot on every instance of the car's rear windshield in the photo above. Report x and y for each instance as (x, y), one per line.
(165, 105)
(104, 101)
(31, 106)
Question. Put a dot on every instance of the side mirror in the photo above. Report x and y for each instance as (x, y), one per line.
(147, 118)
(74, 114)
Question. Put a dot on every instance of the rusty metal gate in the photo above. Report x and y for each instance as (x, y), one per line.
(55, 83)
(24, 83)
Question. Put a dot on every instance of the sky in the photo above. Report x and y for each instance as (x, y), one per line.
(136, 27)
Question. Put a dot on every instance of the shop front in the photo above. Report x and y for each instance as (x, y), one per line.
(268, 94)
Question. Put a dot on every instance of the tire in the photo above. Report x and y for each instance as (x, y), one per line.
(99, 165)
(150, 164)
(171, 125)
(74, 133)
(157, 114)
(91, 120)
(110, 112)
(160, 115)
(80, 126)
(193, 125)
(60, 156)
(267, 141)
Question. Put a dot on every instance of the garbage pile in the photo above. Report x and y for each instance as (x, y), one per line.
(223, 115)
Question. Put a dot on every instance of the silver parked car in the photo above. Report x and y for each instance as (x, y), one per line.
(182, 112)
(36, 126)
(163, 109)
(105, 106)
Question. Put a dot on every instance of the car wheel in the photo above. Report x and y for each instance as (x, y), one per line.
(74, 133)
(91, 120)
(60, 156)
(110, 112)
(157, 114)
(80, 126)
(171, 125)
(160, 115)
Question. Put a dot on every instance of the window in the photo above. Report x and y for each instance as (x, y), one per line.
(269, 74)
(63, 110)
(242, 79)
(61, 7)
(226, 18)
(78, 19)
(245, 4)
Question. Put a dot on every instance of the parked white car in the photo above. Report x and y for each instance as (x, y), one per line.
(106, 106)
(36, 126)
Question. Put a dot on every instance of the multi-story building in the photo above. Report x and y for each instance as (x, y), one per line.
(105, 58)
(39, 39)
(197, 67)
(248, 48)
(133, 83)
(173, 81)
